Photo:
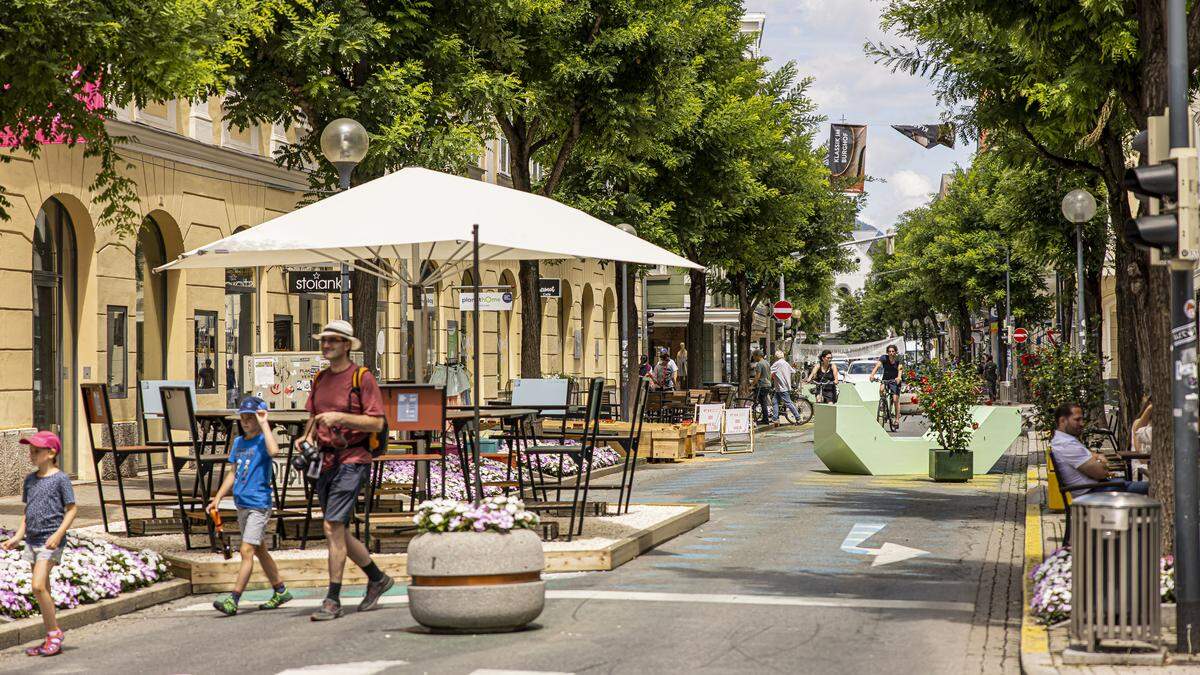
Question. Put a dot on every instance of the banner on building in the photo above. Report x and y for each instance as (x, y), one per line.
(489, 301)
(847, 156)
(928, 135)
(315, 281)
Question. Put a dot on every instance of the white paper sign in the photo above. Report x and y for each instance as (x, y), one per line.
(489, 301)
(406, 408)
(737, 421)
(264, 372)
(709, 414)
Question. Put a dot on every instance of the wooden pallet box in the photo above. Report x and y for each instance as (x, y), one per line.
(670, 442)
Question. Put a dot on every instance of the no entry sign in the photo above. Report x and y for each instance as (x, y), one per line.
(783, 310)
(1020, 335)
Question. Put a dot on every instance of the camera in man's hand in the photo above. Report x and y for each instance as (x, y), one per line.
(306, 454)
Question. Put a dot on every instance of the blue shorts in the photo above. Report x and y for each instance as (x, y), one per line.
(892, 386)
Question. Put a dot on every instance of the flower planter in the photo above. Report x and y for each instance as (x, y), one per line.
(476, 582)
(950, 467)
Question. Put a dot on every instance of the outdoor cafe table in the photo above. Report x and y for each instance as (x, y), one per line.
(505, 415)
(226, 419)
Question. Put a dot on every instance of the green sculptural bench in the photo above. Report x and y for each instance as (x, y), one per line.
(847, 439)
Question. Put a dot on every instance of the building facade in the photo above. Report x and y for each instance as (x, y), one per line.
(84, 304)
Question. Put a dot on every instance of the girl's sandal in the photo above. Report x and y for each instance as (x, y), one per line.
(51, 647)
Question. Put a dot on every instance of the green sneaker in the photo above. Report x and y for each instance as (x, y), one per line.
(276, 600)
(225, 605)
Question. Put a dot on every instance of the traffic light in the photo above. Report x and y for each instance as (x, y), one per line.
(1167, 188)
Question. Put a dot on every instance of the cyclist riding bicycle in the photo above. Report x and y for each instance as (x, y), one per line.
(826, 375)
(893, 370)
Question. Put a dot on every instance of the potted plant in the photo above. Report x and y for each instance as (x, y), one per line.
(476, 568)
(948, 394)
(1058, 374)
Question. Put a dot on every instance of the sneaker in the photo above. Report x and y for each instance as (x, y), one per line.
(374, 591)
(330, 610)
(276, 600)
(225, 605)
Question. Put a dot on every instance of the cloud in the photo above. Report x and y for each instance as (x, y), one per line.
(911, 188)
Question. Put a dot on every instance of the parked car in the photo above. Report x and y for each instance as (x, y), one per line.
(859, 371)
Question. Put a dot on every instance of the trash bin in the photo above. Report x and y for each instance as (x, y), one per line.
(1115, 570)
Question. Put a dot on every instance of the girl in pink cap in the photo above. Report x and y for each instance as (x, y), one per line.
(49, 512)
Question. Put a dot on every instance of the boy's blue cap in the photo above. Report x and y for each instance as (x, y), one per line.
(251, 405)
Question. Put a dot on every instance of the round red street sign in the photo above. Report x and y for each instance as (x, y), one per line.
(783, 310)
(1020, 335)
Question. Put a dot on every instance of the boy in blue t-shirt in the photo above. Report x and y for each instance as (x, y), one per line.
(250, 481)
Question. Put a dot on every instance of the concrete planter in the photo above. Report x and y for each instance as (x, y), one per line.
(476, 582)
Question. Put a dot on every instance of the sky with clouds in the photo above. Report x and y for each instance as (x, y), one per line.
(825, 38)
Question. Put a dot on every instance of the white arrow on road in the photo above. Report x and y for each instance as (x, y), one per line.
(886, 554)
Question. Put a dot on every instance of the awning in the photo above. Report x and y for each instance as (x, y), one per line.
(386, 217)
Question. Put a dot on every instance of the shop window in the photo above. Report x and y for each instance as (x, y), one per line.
(283, 333)
(505, 165)
(206, 352)
(312, 319)
(118, 352)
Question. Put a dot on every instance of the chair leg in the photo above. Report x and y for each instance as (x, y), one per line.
(117, 461)
(586, 478)
(309, 492)
(150, 478)
(176, 467)
(96, 462)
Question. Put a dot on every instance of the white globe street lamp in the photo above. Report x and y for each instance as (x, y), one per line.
(1079, 206)
(344, 143)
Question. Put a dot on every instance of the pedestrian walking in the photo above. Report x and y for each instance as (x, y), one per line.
(250, 482)
(782, 373)
(827, 377)
(347, 411)
(49, 511)
(644, 367)
(991, 377)
(665, 373)
(760, 381)
(681, 361)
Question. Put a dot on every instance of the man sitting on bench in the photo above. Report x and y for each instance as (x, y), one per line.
(1076, 464)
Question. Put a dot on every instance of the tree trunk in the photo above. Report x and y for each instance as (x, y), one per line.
(1162, 448)
(531, 320)
(745, 325)
(695, 337)
(363, 303)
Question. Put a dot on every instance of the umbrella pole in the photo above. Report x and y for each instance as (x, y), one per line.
(475, 358)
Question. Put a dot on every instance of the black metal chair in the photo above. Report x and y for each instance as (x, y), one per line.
(581, 454)
(1066, 492)
(180, 416)
(630, 442)
(97, 410)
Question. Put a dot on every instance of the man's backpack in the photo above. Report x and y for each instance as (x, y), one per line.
(377, 442)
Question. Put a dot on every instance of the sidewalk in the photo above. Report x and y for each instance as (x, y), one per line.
(1042, 646)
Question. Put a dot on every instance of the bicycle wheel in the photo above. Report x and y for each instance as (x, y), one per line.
(805, 408)
(893, 414)
(881, 412)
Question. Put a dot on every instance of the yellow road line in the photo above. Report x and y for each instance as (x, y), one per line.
(1034, 637)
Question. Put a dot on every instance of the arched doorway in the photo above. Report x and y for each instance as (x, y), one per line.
(425, 332)
(506, 345)
(54, 296)
(587, 305)
(150, 311)
(565, 336)
(610, 365)
(241, 284)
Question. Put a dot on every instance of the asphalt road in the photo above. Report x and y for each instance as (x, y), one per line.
(765, 586)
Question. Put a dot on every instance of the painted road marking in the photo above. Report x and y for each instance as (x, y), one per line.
(357, 668)
(489, 671)
(706, 598)
(886, 554)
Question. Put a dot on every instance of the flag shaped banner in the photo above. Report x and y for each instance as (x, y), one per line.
(847, 155)
(928, 135)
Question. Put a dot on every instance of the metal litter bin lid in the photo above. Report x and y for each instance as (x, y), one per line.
(1117, 500)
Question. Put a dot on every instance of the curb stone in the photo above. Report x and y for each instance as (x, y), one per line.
(1035, 639)
(30, 629)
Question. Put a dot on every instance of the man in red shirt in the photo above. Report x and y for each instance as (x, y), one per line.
(343, 420)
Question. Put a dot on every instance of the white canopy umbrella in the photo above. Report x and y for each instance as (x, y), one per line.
(435, 212)
(438, 217)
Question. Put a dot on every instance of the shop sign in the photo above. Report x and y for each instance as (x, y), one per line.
(239, 280)
(316, 281)
(550, 288)
(489, 301)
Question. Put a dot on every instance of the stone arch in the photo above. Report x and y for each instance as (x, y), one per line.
(507, 346)
(587, 306)
(167, 352)
(611, 365)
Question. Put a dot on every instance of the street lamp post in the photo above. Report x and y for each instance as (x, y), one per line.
(906, 325)
(928, 336)
(1079, 206)
(344, 143)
